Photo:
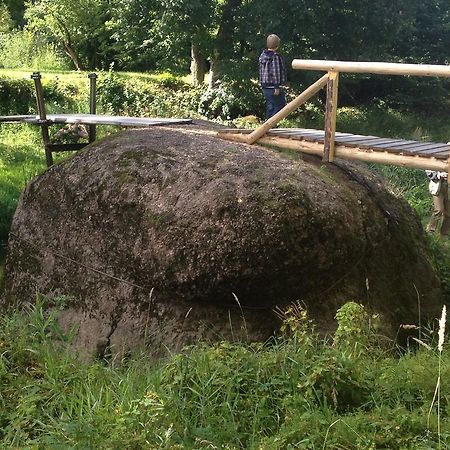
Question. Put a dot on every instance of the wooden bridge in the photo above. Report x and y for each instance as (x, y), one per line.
(92, 119)
(331, 144)
(327, 143)
(371, 149)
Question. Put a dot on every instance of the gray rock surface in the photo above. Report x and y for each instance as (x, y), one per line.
(162, 237)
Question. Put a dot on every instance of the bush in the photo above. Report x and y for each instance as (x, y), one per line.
(162, 96)
(231, 99)
(16, 96)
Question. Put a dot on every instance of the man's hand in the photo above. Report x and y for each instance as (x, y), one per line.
(276, 91)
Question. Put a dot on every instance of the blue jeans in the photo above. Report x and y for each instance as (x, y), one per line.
(273, 102)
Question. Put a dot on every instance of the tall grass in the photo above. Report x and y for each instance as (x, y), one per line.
(295, 391)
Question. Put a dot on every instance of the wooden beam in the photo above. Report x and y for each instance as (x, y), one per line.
(100, 119)
(12, 119)
(92, 104)
(426, 70)
(343, 152)
(42, 117)
(291, 106)
(330, 116)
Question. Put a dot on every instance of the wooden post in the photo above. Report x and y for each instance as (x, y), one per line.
(92, 105)
(291, 106)
(448, 165)
(330, 116)
(42, 117)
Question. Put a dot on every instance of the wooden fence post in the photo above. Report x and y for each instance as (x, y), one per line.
(330, 116)
(448, 165)
(92, 105)
(291, 106)
(42, 117)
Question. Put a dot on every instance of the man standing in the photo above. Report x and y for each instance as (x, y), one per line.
(439, 190)
(272, 75)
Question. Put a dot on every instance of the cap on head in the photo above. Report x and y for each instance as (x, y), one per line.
(273, 41)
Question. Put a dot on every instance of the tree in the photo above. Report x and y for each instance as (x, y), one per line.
(5, 19)
(133, 39)
(78, 26)
(16, 10)
(208, 26)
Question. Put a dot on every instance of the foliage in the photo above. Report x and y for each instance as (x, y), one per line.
(228, 100)
(5, 19)
(22, 49)
(79, 27)
(132, 37)
(20, 160)
(441, 260)
(354, 328)
(17, 96)
(162, 96)
(290, 392)
(228, 36)
(16, 9)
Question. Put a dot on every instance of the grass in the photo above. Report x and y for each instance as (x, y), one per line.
(21, 158)
(295, 391)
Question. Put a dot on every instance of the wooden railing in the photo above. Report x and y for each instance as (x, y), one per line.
(44, 123)
(331, 80)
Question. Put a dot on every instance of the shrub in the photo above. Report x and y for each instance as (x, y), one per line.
(162, 96)
(231, 99)
(16, 96)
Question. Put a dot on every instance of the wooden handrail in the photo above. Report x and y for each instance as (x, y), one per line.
(426, 70)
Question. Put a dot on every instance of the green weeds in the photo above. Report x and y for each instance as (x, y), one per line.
(294, 391)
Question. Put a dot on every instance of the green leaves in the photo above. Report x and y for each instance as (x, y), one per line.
(80, 27)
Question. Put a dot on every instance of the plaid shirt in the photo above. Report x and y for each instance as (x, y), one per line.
(272, 72)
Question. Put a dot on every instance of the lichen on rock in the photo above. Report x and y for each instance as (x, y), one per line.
(162, 237)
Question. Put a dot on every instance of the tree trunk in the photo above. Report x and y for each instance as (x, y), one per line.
(224, 40)
(198, 65)
(73, 55)
(215, 70)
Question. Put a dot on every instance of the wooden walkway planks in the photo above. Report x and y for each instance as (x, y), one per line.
(374, 143)
(370, 149)
(94, 119)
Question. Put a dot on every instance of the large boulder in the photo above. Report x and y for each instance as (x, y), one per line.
(160, 237)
